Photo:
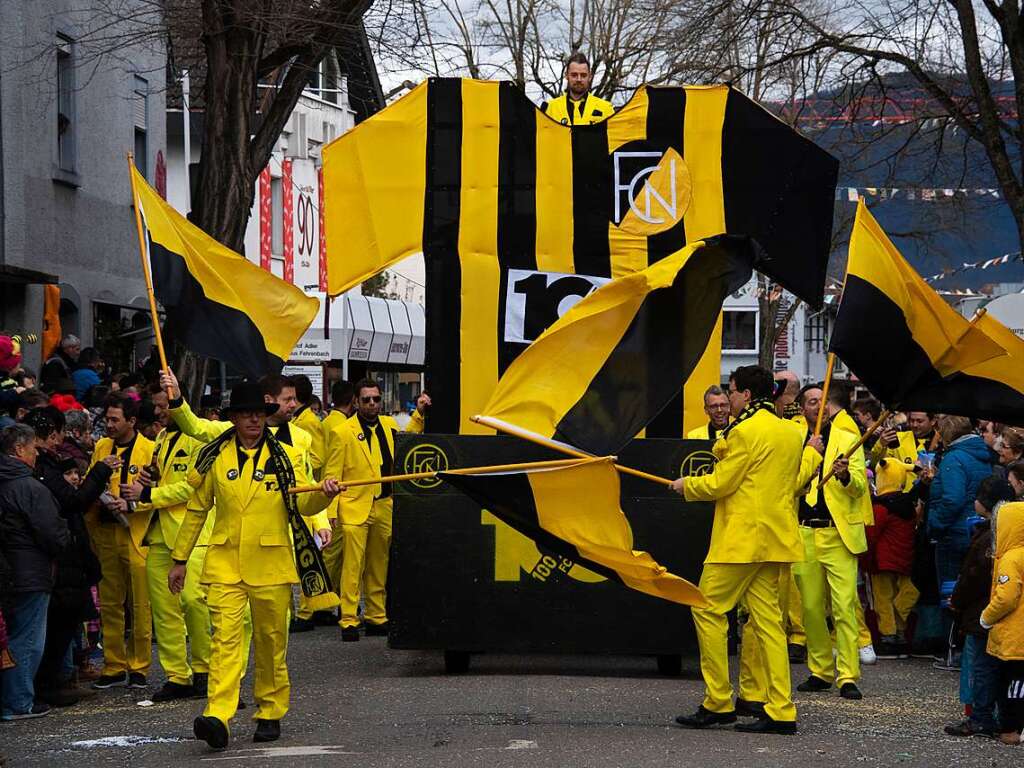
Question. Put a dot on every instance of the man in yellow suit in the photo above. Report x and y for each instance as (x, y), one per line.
(716, 407)
(306, 419)
(832, 529)
(577, 106)
(365, 451)
(343, 405)
(117, 533)
(247, 471)
(754, 538)
(174, 615)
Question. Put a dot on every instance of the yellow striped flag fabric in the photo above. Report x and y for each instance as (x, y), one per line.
(574, 512)
(911, 348)
(218, 303)
(519, 216)
(609, 365)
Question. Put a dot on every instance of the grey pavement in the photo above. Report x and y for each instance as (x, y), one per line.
(362, 704)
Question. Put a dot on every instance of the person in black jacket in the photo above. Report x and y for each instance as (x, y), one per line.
(78, 570)
(969, 599)
(32, 535)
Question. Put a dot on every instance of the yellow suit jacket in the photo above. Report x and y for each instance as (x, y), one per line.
(850, 504)
(141, 455)
(754, 487)
(702, 433)
(206, 431)
(175, 454)
(251, 539)
(306, 420)
(594, 110)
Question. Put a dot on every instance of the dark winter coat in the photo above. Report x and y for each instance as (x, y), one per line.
(32, 532)
(974, 585)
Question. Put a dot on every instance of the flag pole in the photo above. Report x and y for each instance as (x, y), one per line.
(145, 268)
(522, 467)
(561, 448)
(824, 392)
(866, 436)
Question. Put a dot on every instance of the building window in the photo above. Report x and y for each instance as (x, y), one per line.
(140, 119)
(815, 328)
(739, 331)
(67, 119)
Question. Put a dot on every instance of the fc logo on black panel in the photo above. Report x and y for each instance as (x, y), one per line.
(698, 463)
(426, 458)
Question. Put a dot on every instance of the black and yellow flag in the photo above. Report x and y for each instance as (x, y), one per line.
(519, 216)
(217, 302)
(913, 350)
(574, 512)
(609, 365)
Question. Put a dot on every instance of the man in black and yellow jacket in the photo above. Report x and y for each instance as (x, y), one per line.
(716, 407)
(577, 106)
(832, 524)
(117, 535)
(258, 538)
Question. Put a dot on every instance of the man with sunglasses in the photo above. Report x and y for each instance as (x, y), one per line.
(366, 451)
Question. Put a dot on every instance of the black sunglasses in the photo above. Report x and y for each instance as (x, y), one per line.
(371, 399)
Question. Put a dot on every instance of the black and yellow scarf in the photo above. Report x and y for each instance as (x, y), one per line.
(750, 410)
(313, 576)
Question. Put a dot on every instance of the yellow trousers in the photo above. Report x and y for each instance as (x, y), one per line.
(364, 567)
(124, 576)
(174, 616)
(793, 610)
(753, 682)
(895, 597)
(829, 570)
(757, 585)
(270, 607)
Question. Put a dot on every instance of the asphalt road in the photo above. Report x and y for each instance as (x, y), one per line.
(361, 704)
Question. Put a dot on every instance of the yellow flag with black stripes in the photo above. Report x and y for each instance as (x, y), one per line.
(609, 365)
(519, 216)
(574, 512)
(911, 348)
(218, 303)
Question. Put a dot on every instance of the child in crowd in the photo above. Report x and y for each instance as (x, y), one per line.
(979, 679)
(1004, 617)
(891, 554)
(1015, 474)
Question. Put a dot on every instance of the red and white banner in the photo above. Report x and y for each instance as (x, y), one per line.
(322, 231)
(266, 220)
(289, 228)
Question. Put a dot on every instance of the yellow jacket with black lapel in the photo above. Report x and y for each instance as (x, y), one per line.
(134, 457)
(849, 504)
(594, 110)
(305, 419)
(175, 454)
(358, 459)
(251, 538)
(754, 487)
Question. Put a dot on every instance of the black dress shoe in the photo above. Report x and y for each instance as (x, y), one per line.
(350, 634)
(212, 731)
(172, 691)
(767, 725)
(705, 718)
(376, 630)
(851, 691)
(301, 625)
(746, 708)
(813, 685)
(797, 653)
(267, 730)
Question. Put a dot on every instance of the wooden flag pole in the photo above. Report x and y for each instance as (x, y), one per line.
(867, 436)
(145, 269)
(523, 467)
(561, 448)
(824, 392)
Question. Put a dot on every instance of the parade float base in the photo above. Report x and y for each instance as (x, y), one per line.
(464, 583)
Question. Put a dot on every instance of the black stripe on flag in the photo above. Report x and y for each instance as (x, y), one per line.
(517, 199)
(205, 326)
(666, 110)
(441, 211)
(592, 200)
(659, 349)
(509, 497)
(872, 337)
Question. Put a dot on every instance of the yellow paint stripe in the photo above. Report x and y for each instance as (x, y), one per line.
(478, 248)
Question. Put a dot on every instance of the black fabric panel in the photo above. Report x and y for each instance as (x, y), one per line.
(510, 498)
(779, 188)
(666, 108)
(517, 199)
(441, 209)
(659, 350)
(872, 337)
(592, 200)
(204, 326)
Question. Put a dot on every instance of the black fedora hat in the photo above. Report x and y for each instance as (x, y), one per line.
(248, 396)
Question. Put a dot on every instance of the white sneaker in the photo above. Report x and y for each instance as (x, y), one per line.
(867, 655)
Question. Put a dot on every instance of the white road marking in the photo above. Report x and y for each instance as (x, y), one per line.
(272, 752)
(521, 744)
(122, 741)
